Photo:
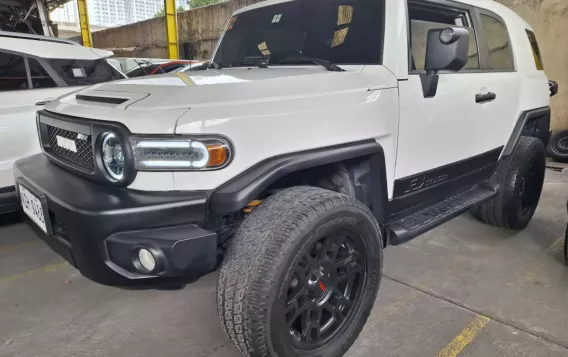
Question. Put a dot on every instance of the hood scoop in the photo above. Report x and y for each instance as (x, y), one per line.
(106, 99)
(99, 99)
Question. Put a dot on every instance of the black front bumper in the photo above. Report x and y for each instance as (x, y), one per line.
(99, 229)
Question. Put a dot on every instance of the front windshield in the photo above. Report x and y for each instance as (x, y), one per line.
(339, 31)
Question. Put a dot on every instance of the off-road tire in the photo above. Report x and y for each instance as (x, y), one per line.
(260, 258)
(558, 146)
(505, 210)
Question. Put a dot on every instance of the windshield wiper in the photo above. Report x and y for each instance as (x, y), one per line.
(212, 64)
(204, 66)
(324, 63)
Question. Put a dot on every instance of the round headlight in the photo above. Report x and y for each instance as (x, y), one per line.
(113, 156)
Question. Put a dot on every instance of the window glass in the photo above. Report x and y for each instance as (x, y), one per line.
(498, 45)
(143, 70)
(536, 51)
(12, 72)
(170, 68)
(40, 78)
(423, 20)
(84, 72)
(339, 31)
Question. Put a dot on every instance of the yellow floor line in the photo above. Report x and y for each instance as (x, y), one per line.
(45, 269)
(465, 337)
(17, 246)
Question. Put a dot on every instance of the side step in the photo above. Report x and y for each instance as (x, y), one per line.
(404, 229)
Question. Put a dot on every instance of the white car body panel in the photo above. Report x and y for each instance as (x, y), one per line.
(18, 129)
(301, 117)
(267, 112)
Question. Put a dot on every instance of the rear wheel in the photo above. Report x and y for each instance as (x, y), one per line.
(301, 275)
(520, 177)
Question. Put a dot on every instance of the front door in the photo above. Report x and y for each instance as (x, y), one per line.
(445, 142)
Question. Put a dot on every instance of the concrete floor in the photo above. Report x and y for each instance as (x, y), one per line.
(463, 289)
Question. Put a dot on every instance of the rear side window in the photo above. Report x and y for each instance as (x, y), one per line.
(13, 74)
(40, 78)
(424, 18)
(85, 72)
(498, 44)
(536, 51)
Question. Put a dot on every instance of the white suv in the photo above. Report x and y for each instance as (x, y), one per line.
(34, 69)
(320, 132)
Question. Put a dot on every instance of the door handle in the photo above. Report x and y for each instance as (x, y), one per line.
(487, 97)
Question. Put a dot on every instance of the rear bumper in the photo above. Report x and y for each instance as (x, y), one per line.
(99, 229)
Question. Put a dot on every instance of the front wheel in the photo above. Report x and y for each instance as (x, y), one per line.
(301, 275)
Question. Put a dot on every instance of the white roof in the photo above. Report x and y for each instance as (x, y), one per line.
(45, 49)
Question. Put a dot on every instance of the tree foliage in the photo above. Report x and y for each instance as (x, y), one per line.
(163, 11)
(199, 3)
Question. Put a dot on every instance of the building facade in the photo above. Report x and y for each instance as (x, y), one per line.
(110, 13)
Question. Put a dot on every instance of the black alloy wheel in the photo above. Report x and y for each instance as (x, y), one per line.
(326, 285)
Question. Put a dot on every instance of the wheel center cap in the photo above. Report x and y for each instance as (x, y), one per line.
(319, 284)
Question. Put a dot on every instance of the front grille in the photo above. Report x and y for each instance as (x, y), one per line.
(84, 155)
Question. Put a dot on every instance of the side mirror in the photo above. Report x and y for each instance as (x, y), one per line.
(446, 49)
(553, 86)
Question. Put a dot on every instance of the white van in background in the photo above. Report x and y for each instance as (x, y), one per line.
(33, 70)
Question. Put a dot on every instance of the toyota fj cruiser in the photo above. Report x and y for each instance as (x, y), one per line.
(320, 132)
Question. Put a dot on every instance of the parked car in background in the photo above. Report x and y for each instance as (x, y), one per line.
(147, 68)
(33, 70)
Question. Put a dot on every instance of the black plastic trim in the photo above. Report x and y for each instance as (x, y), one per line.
(186, 250)
(8, 199)
(415, 192)
(524, 119)
(95, 129)
(239, 191)
(98, 99)
(92, 212)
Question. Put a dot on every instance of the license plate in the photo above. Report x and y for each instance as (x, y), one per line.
(65, 143)
(32, 207)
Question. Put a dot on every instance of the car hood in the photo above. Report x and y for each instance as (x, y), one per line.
(169, 96)
(187, 89)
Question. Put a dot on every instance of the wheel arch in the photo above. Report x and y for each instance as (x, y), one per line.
(253, 183)
(533, 123)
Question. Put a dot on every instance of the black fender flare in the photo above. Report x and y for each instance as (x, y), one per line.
(539, 116)
(239, 191)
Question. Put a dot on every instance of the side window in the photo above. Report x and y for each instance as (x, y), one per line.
(12, 72)
(40, 78)
(424, 18)
(498, 45)
(536, 51)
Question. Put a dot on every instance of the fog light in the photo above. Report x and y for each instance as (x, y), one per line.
(146, 259)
